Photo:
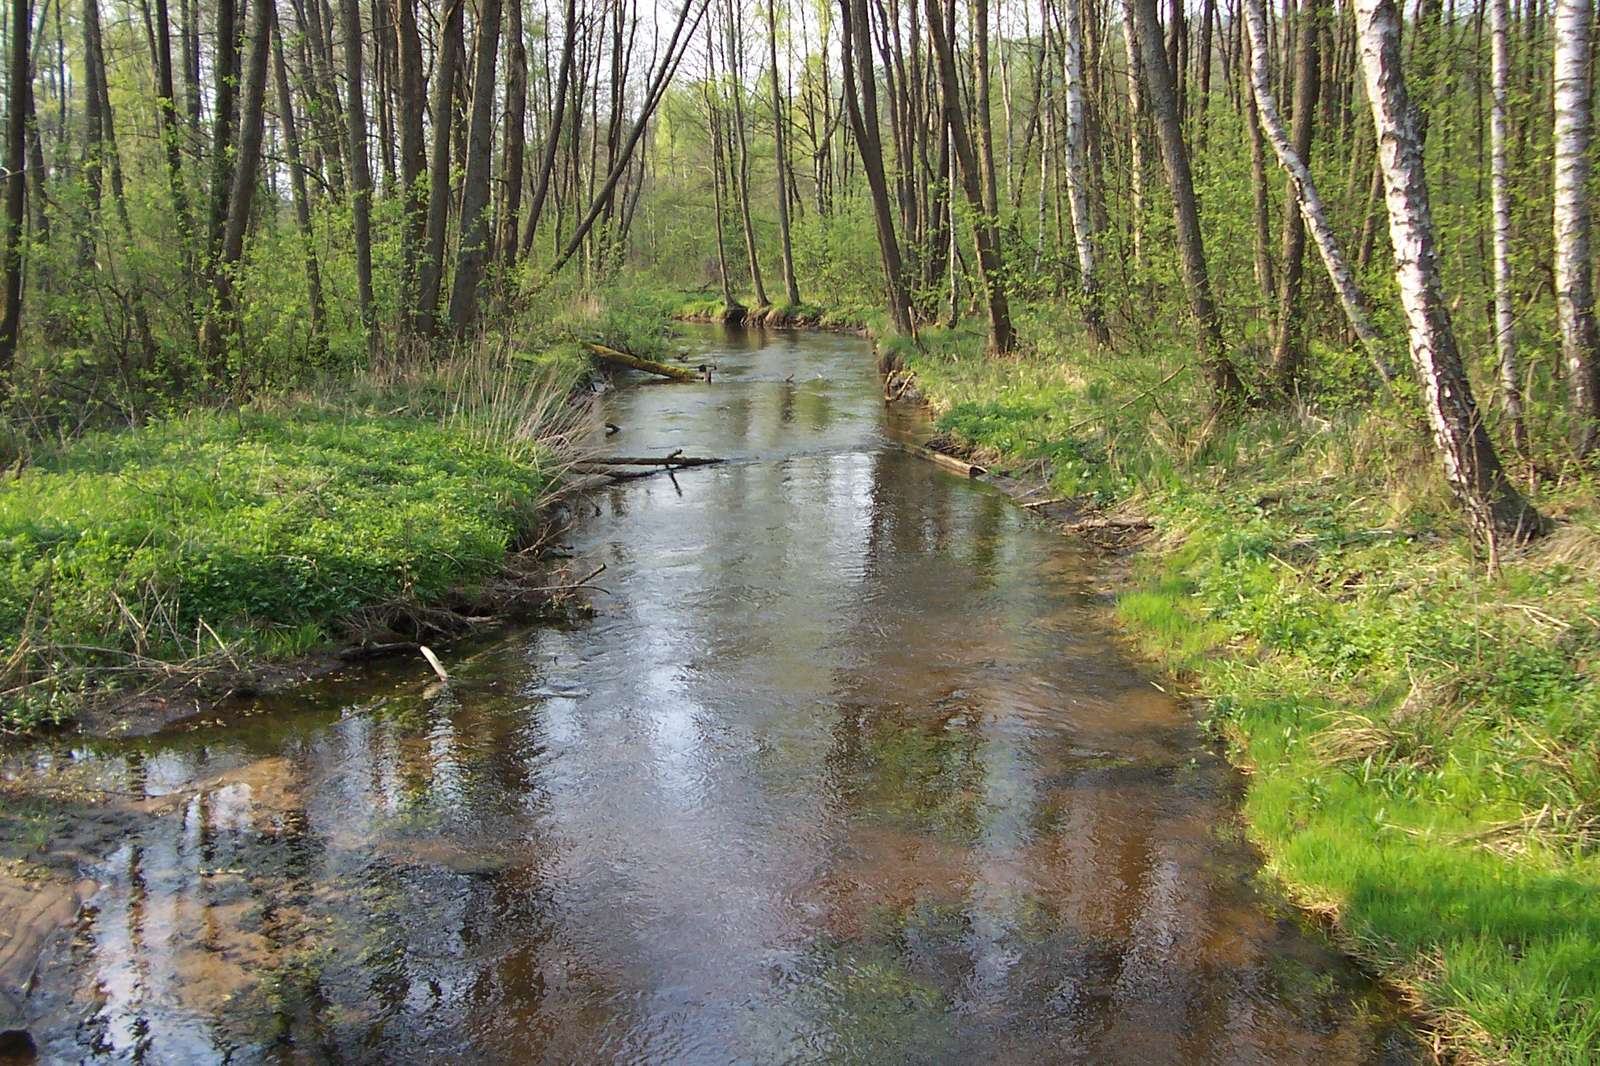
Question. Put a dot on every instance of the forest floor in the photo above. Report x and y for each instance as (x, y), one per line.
(1420, 729)
(150, 570)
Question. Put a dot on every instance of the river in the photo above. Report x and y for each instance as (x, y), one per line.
(847, 766)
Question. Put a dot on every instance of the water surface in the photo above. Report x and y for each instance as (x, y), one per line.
(847, 768)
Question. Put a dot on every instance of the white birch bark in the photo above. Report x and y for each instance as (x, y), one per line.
(1574, 21)
(1351, 297)
(1135, 138)
(1078, 169)
(1505, 324)
(1493, 505)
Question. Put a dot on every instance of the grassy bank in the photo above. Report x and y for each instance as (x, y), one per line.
(216, 539)
(1422, 735)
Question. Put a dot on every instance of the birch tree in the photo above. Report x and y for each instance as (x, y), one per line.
(1505, 322)
(1495, 509)
(1083, 222)
(1351, 297)
(1574, 269)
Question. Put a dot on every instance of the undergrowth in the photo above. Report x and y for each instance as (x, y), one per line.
(215, 538)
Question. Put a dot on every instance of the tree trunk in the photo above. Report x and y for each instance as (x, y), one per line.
(448, 51)
(741, 172)
(516, 134)
(1085, 238)
(413, 156)
(297, 187)
(222, 320)
(1002, 336)
(1505, 319)
(360, 169)
(791, 286)
(473, 252)
(16, 187)
(861, 103)
(1494, 507)
(222, 160)
(552, 139)
(1227, 390)
(1135, 139)
(1303, 192)
(1574, 267)
(1288, 352)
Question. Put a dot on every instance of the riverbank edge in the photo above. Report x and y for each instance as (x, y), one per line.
(1146, 557)
(522, 588)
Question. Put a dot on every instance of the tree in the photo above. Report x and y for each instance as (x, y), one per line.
(1304, 194)
(1083, 222)
(791, 286)
(221, 322)
(1288, 353)
(448, 51)
(16, 185)
(297, 188)
(1505, 319)
(1495, 509)
(1574, 267)
(360, 169)
(861, 104)
(1002, 335)
(1226, 387)
(474, 249)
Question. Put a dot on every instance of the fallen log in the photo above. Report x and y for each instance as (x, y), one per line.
(675, 459)
(633, 362)
(949, 462)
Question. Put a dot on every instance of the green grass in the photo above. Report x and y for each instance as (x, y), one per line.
(263, 530)
(1422, 735)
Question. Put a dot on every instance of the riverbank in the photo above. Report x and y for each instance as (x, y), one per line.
(1421, 735)
(168, 565)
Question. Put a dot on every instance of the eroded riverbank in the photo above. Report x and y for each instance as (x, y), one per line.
(847, 768)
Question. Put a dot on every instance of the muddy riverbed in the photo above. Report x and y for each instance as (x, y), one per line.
(846, 767)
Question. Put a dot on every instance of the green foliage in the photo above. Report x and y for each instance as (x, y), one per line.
(262, 530)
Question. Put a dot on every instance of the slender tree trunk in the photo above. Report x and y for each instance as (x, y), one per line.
(222, 129)
(474, 250)
(360, 169)
(1085, 237)
(780, 137)
(1135, 138)
(1505, 319)
(1493, 505)
(1574, 266)
(1288, 352)
(297, 187)
(16, 186)
(552, 141)
(741, 183)
(222, 322)
(1002, 336)
(431, 278)
(413, 157)
(861, 104)
(1303, 192)
(516, 134)
(1227, 389)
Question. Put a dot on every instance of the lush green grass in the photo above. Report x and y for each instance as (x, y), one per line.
(1423, 735)
(262, 530)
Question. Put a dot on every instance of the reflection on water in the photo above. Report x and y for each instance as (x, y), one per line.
(847, 770)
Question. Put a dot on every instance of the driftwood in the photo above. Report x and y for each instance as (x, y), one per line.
(677, 458)
(949, 462)
(633, 362)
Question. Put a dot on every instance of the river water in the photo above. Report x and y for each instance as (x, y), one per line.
(847, 767)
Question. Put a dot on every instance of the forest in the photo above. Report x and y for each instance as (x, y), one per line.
(1286, 305)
